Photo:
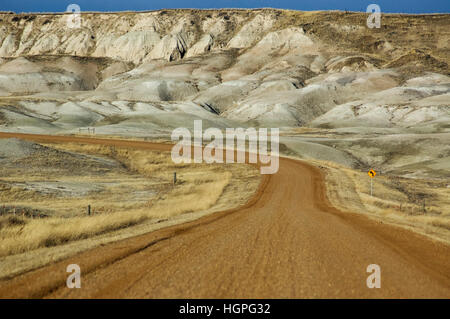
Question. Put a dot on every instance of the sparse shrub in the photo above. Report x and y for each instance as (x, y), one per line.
(10, 221)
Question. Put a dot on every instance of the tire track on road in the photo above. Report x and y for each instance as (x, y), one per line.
(286, 242)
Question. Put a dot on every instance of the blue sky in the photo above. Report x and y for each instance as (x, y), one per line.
(405, 6)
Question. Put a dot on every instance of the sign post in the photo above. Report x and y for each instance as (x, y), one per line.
(372, 174)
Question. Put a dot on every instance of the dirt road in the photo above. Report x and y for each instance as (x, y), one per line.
(287, 242)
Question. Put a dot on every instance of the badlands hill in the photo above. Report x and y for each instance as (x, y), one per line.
(368, 96)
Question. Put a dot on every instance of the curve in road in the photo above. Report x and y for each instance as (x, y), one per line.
(286, 242)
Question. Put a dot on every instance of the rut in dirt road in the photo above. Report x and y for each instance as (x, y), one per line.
(287, 242)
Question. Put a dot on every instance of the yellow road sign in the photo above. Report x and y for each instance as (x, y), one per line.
(372, 173)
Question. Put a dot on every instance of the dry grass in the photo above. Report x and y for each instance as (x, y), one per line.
(129, 194)
(395, 200)
(18, 238)
(199, 188)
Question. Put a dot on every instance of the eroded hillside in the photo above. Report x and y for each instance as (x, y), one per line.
(346, 97)
(143, 74)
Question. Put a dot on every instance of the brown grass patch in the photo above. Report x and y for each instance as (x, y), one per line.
(200, 186)
(395, 200)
